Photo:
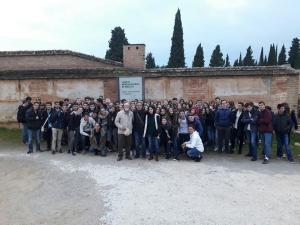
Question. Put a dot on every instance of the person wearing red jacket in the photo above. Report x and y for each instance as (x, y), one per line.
(265, 127)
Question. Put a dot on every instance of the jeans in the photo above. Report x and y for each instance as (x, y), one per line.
(139, 144)
(174, 146)
(211, 133)
(223, 136)
(237, 136)
(56, 139)
(252, 141)
(153, 145)
(47, 135)
(283, 140)
(193, 153)
(267, 144)
(24, 133)
(37, 135)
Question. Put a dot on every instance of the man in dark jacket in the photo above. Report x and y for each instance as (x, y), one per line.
(34, 123)
(282, 125)
(138, 130)
(47, 127)
(73, 129)
(57, 121)
(223, 122)
(237, 130)
(249, 120)
(21, 117)
(266, 129)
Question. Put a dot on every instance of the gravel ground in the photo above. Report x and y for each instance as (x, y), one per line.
(63, 189)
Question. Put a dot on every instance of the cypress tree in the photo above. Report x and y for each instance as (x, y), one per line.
(282, 56)
(118, 39)
(240, 60)
(261, 57)
(236, 62)
(150, 61)
(272, 56)
(248, 60)
(276, 55)
(216, 59)
(176, 58)
(294, 54)
(227, 63)
(199, 57)
(265, 61)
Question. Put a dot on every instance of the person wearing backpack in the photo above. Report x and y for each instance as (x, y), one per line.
(21, 117)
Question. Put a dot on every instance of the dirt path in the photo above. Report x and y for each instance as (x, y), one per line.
(61, 189)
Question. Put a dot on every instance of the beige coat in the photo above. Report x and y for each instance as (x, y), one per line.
(124, 121)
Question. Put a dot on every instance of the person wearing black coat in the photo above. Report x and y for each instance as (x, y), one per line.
(138, 130)
(21, 117)
(34, 123)
(47, 127)
(282, 125)
(249, 120)
(166, 137)
(237, 130)
(74, 129)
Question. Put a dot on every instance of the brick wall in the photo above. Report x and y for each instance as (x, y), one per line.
(134, 56)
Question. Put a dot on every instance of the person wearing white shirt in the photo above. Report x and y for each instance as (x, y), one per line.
(194, 147)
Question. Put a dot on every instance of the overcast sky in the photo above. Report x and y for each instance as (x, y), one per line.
(85, 26)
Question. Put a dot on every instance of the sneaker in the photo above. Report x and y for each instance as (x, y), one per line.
(29, 152)
(69, 151)
(128, 157)
(60, 151)
(176, 159)
(266, 161)
(198, 159)
(291, 161)
(253, 159)
(73, 153)
(248, 155)
(53, 152)
(150, 158)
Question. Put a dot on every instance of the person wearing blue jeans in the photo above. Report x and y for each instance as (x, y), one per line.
(194, 147)
(36, 134)
(34, 123)
(282, 125)
(265, 126)
(152, 132)
(139, 141)
(249, 120)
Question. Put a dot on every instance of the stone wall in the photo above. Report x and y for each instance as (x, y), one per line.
(272, 85)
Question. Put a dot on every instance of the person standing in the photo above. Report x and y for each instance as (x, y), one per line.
(138, 130)
(57, 121)
(282, 125)
(249, 120)
(266, 129)
(223, 122)
(124, 121)
(152, 132)
(34, 123)
(21, 117)
(47, 126)
(237, 131)
(73, 129)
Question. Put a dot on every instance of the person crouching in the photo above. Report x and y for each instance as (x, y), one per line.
(194, 147)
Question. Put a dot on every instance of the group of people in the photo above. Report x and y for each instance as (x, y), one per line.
(140, 128)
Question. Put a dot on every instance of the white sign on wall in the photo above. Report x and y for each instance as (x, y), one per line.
(131, 88)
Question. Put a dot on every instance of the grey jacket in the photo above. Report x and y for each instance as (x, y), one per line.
(124, 120)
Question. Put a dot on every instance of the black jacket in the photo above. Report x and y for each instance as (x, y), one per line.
(166, 133)
(246, 120)
(139, 121)
(74, 121)
(21, 115)
(33, 119)
(240, 124)
(282, 123)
